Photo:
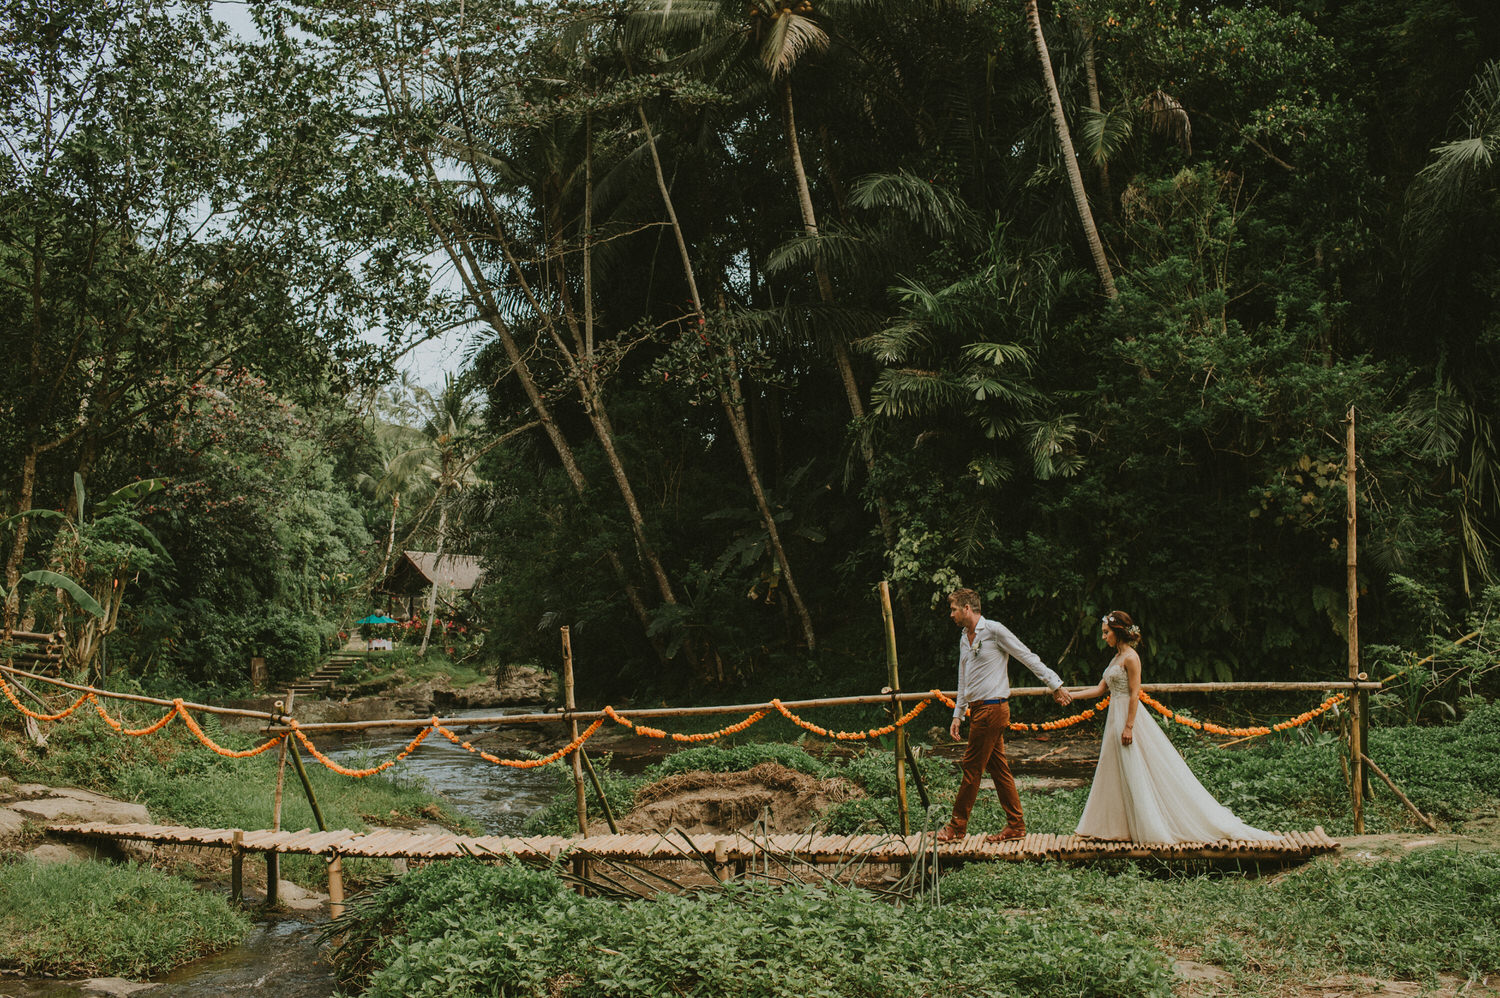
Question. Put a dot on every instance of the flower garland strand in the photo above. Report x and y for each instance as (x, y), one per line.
(575, 744)
(851, 735)
(192, 725)
(1216, 729)
(133, 732)
(678, 736)
(360, 774)
(11, 696)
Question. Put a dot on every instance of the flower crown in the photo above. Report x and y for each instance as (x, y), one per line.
(1133, 631)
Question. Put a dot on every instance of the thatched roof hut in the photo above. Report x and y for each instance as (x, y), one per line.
(416, 570)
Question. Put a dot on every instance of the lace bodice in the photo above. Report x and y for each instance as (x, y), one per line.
(1116, 678)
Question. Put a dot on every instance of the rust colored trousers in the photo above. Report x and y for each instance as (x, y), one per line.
(986, 751)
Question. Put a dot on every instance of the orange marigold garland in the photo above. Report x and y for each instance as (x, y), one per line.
(9, 695)
(851, 735)
(576, 743)
(182, 712)
(1061, 722)
(360, 773)
(134, 732)
(678, 736)
(1251, 732)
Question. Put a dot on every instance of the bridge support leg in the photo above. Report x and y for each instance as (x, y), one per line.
(237, 867)
(335, 886)
(721, 861)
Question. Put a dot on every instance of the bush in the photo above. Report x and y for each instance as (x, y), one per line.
(100, 920)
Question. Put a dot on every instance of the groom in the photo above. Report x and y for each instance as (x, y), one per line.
(984, 652)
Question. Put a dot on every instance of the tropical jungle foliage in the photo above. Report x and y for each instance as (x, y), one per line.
(1069, 302)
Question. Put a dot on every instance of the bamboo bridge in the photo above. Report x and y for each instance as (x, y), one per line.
(727, 854)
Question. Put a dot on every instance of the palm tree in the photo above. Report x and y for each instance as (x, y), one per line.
(1069, 157)
(772, 35)
(451, 431)
(1449, 236)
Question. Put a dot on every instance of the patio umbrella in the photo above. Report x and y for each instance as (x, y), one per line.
(376, 618)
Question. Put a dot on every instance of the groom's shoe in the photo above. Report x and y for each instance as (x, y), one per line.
(949, 834)
(1005, 836)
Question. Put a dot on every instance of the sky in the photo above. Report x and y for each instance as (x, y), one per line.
(428, 362)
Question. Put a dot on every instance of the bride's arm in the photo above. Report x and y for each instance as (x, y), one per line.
(1091, 692)
(1132, 665)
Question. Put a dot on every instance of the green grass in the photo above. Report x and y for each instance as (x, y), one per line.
(101, 920)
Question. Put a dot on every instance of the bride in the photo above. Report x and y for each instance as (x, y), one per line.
(1143, 791)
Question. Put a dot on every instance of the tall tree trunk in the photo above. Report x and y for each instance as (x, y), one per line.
(466, 264)
(1092, 75)
(580, 370)
(17, 556)
(1069, 157)
(390, 538)
(842, 358)
(437, 560)
(731, 400)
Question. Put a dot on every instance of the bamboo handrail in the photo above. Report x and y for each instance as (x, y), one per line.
(138, 698)
(275, 725)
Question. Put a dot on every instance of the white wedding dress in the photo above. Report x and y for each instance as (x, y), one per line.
(1144, 792)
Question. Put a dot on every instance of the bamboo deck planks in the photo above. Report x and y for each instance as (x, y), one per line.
(739, 848)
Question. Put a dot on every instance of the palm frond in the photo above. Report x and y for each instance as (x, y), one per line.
(840, 248)
(1167, 117)
(791, 37)
(1102, 134)
(797, 325)
(938, 211)
(1054, 453)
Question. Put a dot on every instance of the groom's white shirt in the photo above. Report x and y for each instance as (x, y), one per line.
(984, 666)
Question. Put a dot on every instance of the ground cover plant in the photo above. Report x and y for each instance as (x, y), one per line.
(462, 928)
(1407, 915)
(96, 919)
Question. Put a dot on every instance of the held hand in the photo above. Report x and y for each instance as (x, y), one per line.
(953, 729)
(1062, 696)
(1127, 736)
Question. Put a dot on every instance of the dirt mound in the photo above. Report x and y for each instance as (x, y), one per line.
(702, 802)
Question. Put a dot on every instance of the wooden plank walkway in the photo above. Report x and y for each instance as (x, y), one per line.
(721, 847)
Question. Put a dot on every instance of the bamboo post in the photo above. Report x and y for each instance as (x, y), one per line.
(569, 705)
(312, 798)
(237, 867)
(1360, 702)
(335, 886)
(273, 858)
(895, 685)
(335, 864)
(721, 860)
(580, 865)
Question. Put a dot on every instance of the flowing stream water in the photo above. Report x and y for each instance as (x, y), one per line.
(282, 953)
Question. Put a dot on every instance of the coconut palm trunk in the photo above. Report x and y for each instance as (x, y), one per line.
(730, 398)
(1069, 157)
(437, 560)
